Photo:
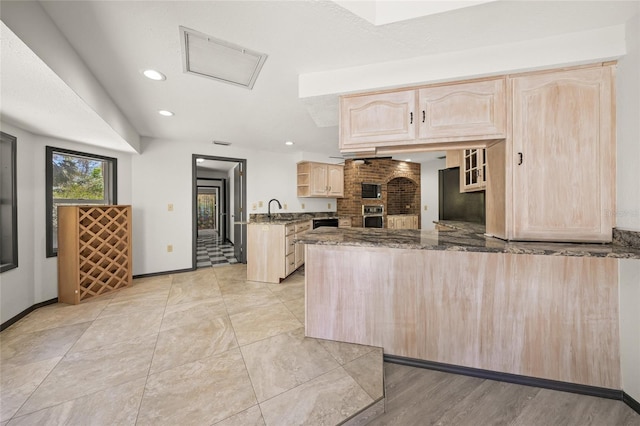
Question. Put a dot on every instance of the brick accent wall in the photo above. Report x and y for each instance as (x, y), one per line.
(406, 197)
(400, 187)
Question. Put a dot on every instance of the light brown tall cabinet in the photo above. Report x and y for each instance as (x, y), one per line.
(555, 180)
(94, 251)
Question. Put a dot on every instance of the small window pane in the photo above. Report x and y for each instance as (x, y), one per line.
(76, 178)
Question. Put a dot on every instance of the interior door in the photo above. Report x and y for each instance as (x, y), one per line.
(239, 224)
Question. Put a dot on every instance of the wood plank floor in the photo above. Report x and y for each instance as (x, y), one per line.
(416, 396)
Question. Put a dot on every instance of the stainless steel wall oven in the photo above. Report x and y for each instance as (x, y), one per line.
(373, 216)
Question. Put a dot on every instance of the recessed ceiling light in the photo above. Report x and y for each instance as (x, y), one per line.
(408, 159)
(154, 75)
(223, 143)
(199, 160)
(165, 113)
(288, 143)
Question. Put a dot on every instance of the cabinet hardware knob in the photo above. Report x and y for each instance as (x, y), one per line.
(411, 118)
(519, 158)
(424, 115)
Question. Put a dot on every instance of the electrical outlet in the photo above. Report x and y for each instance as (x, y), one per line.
(425, 208)
(169, 248)
(170, 207)
(284, 206)
(328, 205)
(302, 206)
(254, 206)
(260, 204)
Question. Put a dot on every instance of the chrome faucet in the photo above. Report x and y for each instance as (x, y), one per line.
(269, 207)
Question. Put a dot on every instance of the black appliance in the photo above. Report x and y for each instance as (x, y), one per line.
(372, 216)
(371, 191)
(454, 205)
(325, 222)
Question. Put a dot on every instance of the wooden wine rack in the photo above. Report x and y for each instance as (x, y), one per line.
(94, 251)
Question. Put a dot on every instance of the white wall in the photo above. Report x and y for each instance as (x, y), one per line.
(35, 279)
(628, 204)
(429, 191)
(29, 21)
(162, 175)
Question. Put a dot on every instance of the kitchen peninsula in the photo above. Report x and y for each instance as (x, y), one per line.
(458, 297)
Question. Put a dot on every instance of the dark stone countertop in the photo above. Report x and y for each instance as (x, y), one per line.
(457, 240)
(289, 218)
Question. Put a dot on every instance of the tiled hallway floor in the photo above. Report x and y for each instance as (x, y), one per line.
(198, 348)
(211, 250)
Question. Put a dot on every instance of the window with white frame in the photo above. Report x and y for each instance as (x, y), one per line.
(76, 178)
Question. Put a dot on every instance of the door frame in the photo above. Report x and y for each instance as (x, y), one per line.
(194, 199)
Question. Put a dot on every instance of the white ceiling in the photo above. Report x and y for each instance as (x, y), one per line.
(119, 39)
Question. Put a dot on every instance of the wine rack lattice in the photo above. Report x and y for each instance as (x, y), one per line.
(103, 249)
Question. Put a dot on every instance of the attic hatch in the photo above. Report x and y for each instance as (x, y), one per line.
(220, 60)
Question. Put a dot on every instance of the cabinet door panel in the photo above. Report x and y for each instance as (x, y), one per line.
(318, 185)
(335, 180)
(377, 119)
(563, 151)
(468, 110)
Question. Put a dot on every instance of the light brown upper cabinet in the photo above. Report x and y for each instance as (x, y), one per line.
(473, 170)
(320, 180)
(379, 119)
(471, 111)
(453, 158)
(558, 179)
(464, 111)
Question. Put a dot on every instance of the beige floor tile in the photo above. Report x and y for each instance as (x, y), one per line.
(60, 315)
(325, 400)
(150, 283)
(116, 405)
(183, 345)
(17, 348)
(113, 329)
(248, 300)
(287, 291)
(192, 288)
(240, 286)
(263, 322)
(231, 272)
(296, 306)
(193, 313)
(198, 393)
(345, 352)
(285, 361)
(198, 274)
(368, 371)
(296, 278)
(131, 303)
(250, 417)
(82, 373)
(17, 383)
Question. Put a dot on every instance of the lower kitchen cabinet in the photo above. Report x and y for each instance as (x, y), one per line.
(300, 228)
(344, 222)
(402, 221)
(272, 254)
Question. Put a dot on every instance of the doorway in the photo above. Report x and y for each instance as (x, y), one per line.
(219, 222)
